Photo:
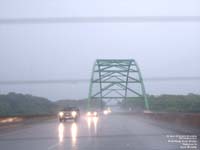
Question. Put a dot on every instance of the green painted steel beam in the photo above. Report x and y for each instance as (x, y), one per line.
(116, 82)
(115, 71)
(112, 97)
(107, 74)
(143, 87)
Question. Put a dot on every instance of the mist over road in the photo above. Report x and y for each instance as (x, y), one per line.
(114, 131)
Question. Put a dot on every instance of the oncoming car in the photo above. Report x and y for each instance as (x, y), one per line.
(69, 113)
(92, 114)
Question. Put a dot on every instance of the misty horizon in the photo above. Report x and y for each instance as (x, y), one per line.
(67, 50)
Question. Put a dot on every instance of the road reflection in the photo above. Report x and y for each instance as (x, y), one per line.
(92, 122)
(61, 132)
(74, 132)
(95, 121)
(89, 122)
(69, 130)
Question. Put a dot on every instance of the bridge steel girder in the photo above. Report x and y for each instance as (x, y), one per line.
(116, 79)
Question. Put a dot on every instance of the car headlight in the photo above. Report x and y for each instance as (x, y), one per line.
(95, 113)
(61, 114)
(105, 112)
(88, 113)
(73, 113)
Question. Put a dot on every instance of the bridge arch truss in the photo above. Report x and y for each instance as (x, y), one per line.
(116, 80)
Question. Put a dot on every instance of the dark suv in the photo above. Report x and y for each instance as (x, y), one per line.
(69, 113)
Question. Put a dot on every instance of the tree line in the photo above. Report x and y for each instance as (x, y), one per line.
(13, 104)
(166, 103)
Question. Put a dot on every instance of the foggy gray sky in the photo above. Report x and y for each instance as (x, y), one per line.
(67, 51)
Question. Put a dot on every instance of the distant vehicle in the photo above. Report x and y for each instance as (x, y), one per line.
(107, 111)
(92, 114)
(69, 113)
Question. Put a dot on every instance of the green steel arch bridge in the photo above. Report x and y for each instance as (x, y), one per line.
(116, 80)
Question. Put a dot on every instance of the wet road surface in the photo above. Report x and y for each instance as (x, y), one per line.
(111, 132)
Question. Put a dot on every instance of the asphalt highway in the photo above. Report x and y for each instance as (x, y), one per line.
(111, 132)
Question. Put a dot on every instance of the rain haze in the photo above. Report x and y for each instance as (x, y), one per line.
(68, 50)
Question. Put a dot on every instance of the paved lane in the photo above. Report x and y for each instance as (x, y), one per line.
(112, 132)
